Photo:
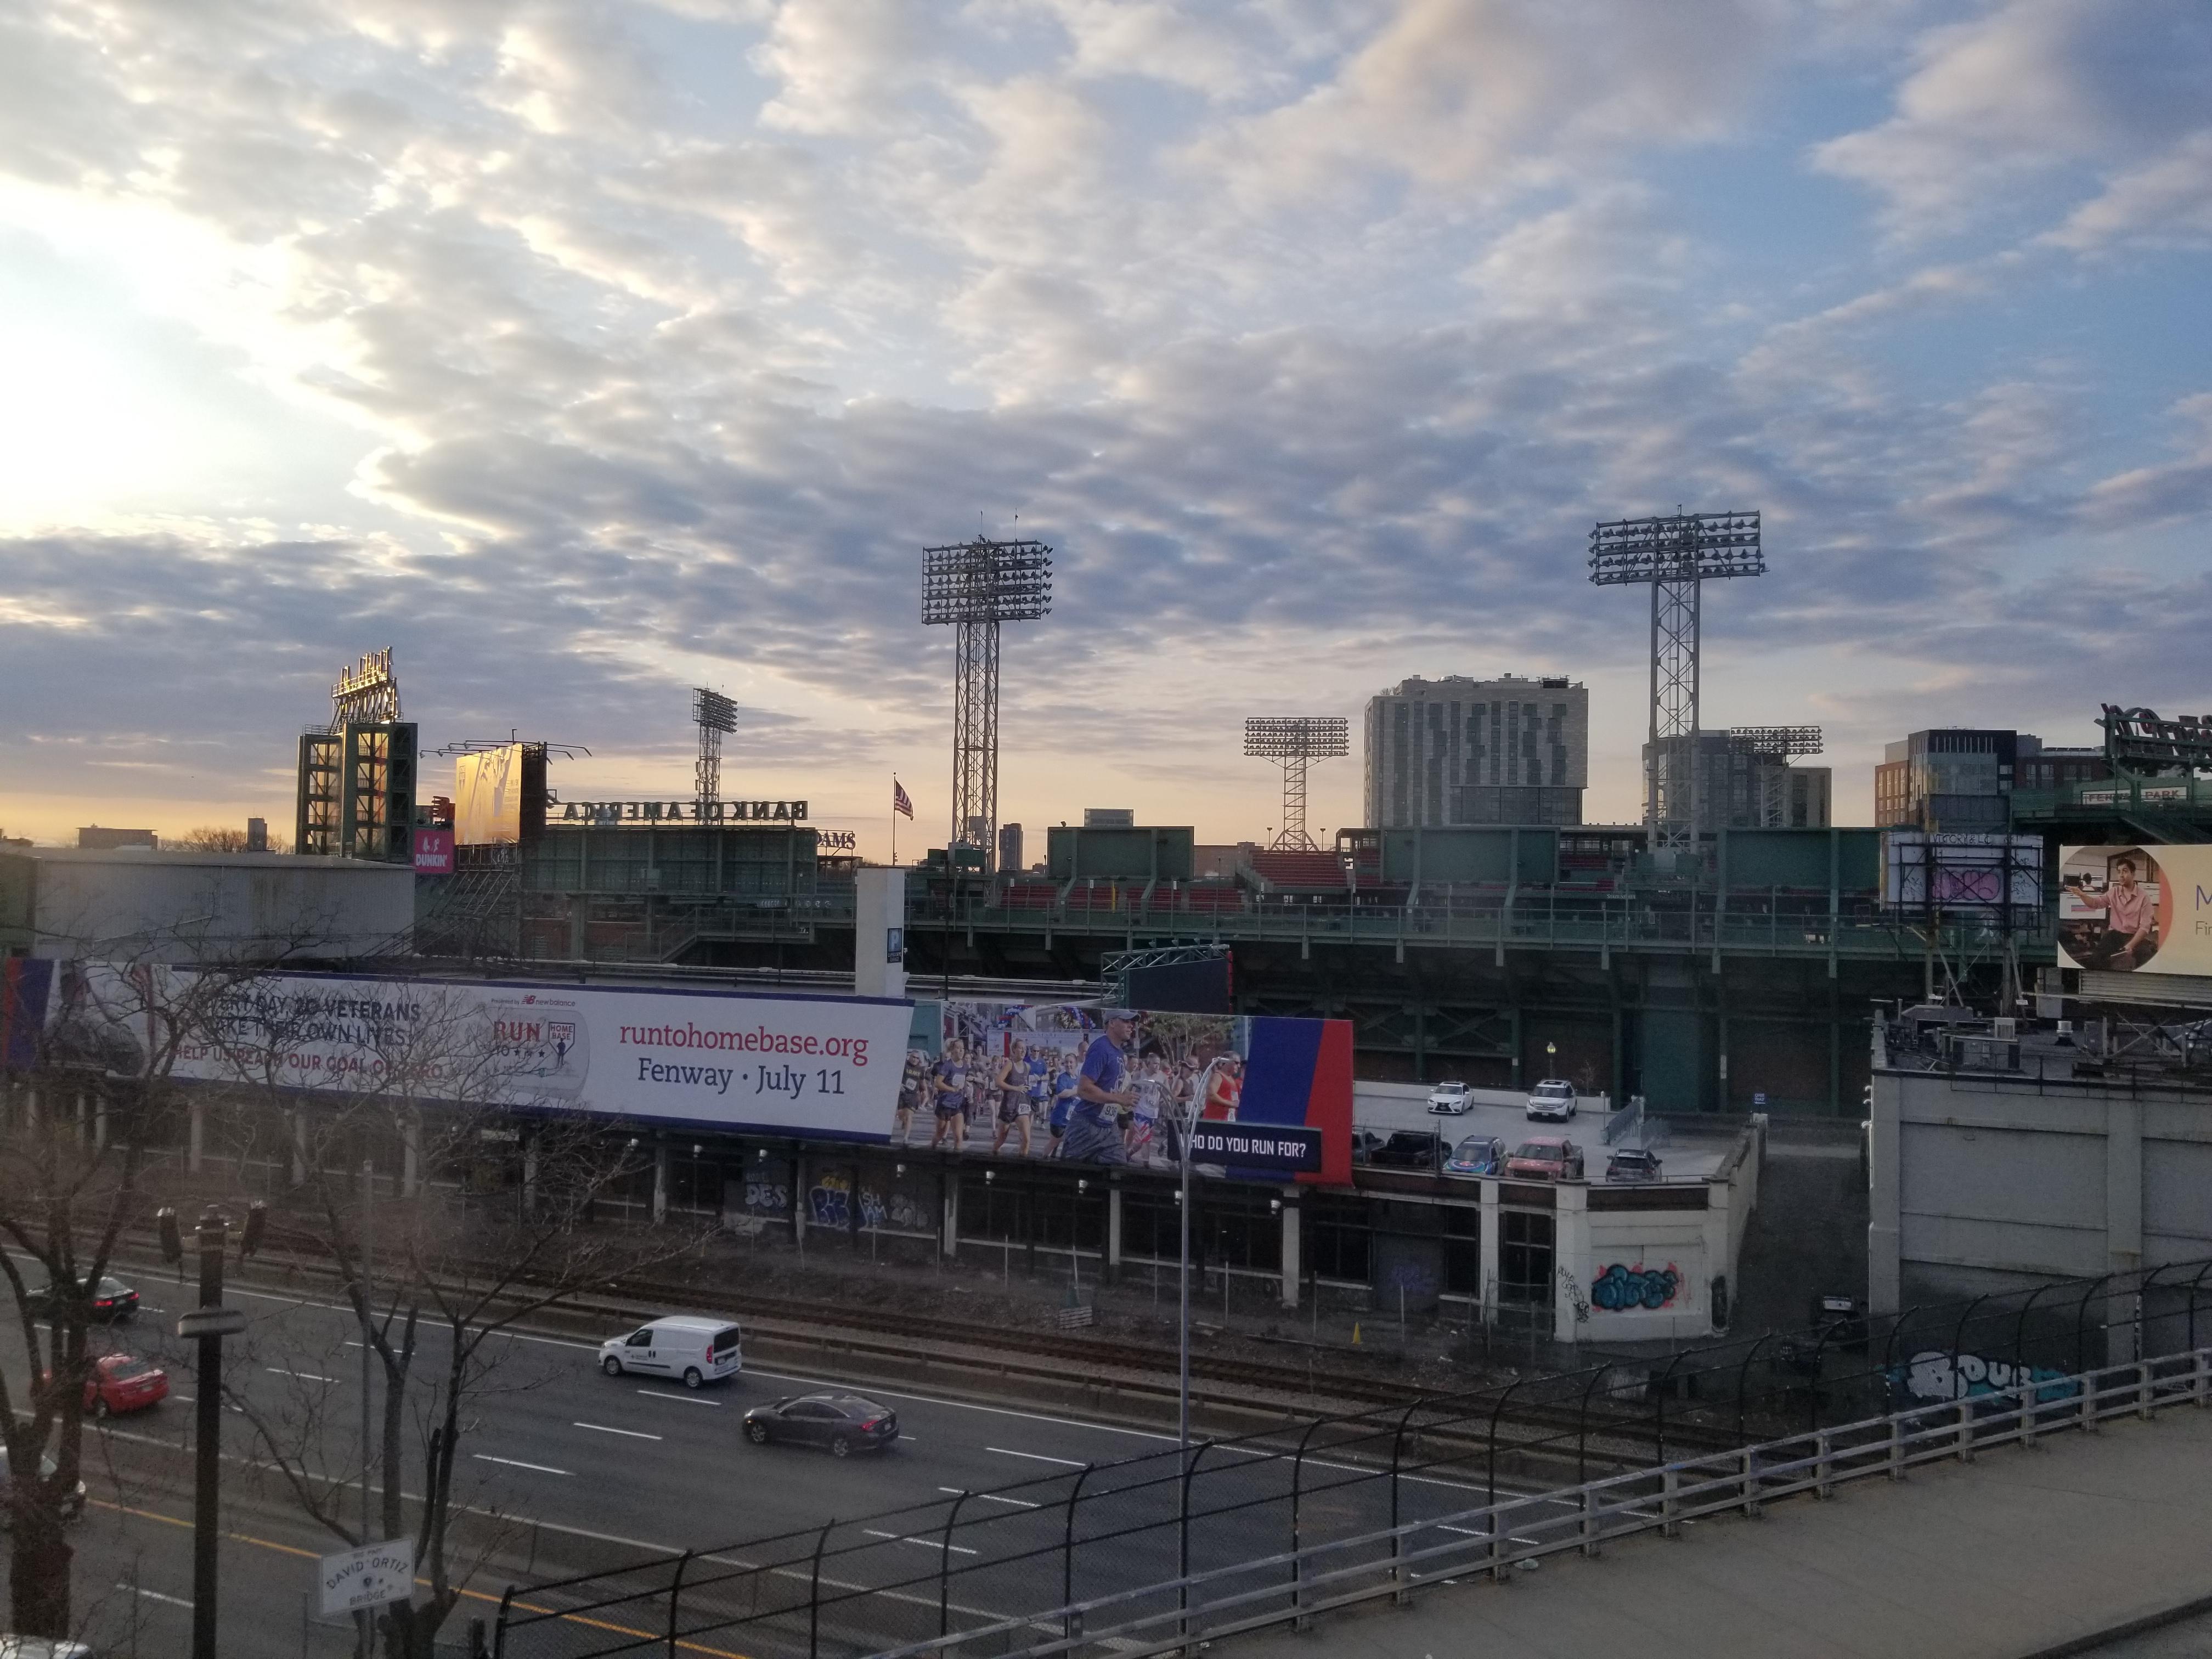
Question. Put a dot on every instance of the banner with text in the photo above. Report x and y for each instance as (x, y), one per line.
(817, 1066)
(2125, 908)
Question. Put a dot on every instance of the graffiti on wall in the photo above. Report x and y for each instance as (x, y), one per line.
(767, 1197)
(1574, 1296)
(829, 1200)
(1621, 1288)
(1935, 1374)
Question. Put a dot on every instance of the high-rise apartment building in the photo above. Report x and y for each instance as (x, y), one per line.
(1739, 787)
(1465, 750)
(1962, 777)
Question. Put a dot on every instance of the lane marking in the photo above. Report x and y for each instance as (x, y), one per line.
(516, 1463)
(1071, 1462)
(305, 1376)
(155, 1596)
(656, 1638)
(680, 1398)
(633, 1434)
(992, 1497)
(926, 1543)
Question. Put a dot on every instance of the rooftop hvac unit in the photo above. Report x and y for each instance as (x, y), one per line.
(2004, 1028)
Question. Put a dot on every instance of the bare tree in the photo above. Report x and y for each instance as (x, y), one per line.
(486, 1224)
(73, 1174)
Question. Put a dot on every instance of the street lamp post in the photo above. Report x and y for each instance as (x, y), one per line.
(1183, 1314)
(207, 1324)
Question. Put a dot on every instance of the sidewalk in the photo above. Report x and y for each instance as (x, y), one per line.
(2006, 1558)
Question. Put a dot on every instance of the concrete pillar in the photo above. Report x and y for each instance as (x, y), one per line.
(198, 1143)
(2124, 1210)
(879, 933)
(799, 1198)
(1493, 1261)
(1570, 1260)
(299, 1145)
(1885, 1213)
(411, 1154)
(1293, 1257)
(529, 1175)
(948, 1236)
(100, 1122)
(83, 1118)
(660, 1181)
(1113, 1232)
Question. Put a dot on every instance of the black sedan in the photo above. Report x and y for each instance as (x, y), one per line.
(1632, 1163)
(843, 1422)
(111, 1298)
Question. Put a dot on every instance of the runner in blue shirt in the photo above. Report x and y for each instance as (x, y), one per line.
(1101, 1094)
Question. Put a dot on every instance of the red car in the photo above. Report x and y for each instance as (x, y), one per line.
(123, 1382)
(1544, 1157)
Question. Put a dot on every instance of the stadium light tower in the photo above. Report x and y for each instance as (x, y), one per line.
(715, 715)
(1295, 742)
(973, 586)
(1674, 555)
(1773, 747)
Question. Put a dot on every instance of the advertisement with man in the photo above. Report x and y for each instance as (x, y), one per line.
(2125, 909)
(824, 1066)
(1115, 1086)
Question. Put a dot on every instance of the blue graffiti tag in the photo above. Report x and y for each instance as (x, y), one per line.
(1619, 1288)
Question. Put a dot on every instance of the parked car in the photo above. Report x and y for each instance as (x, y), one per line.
(111, 1299)
(1634, 1163)
(1364, 1145)
(1554, 1099)
(43, 1647)
(1450, 1099)
(1409, 1149)
(72, 1503)
(1546, 1157)
(1478, 1155)
(845, 1423)
(699, 1350)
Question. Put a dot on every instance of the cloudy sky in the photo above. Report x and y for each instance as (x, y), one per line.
(586, 352)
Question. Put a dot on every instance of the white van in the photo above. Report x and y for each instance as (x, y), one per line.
(699, 1350)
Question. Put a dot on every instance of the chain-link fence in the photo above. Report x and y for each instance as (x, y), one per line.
(1029, 1551)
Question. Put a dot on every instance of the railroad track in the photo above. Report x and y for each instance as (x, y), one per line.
(1147, 1369)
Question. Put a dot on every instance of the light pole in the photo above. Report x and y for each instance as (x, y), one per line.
(1198, 1089)
(207, 1324)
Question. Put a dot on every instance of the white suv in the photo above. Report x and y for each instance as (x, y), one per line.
(1554, 1100)
(1450, 1099)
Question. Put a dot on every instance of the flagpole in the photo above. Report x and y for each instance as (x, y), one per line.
(895, 784)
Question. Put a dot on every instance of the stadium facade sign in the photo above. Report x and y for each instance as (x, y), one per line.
(680, 812)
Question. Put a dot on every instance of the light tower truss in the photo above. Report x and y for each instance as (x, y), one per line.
(971, 587)
(1673, 555)
(715, 715)
(1775, 746)
(1295, 742)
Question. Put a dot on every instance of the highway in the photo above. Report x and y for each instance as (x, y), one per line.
(565, 1470)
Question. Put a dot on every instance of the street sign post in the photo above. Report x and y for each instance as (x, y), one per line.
(369, 1577)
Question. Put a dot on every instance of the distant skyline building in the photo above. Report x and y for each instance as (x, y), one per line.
(1460, 749)
(1738, 786)
(1962, 777)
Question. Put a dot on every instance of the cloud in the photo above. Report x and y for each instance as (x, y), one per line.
(2030, 87)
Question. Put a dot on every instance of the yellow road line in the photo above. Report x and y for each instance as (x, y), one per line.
(473, 1594)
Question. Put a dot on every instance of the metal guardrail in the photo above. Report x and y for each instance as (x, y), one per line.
(1623, 1123)
(1188, 1534)
(1293, 1587)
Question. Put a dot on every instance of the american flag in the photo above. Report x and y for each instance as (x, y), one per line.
(900, 802)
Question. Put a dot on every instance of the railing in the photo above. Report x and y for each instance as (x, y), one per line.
(1295, 1586)
(1272, 1525)
(1543, 918)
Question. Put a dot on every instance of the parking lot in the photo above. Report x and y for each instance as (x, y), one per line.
(1381, 1108)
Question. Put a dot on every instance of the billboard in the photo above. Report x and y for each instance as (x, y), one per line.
(2124, 908)
(489, 789)
(826, 1066)
(1961, 871)
(434, 852)
(1086, 1085)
